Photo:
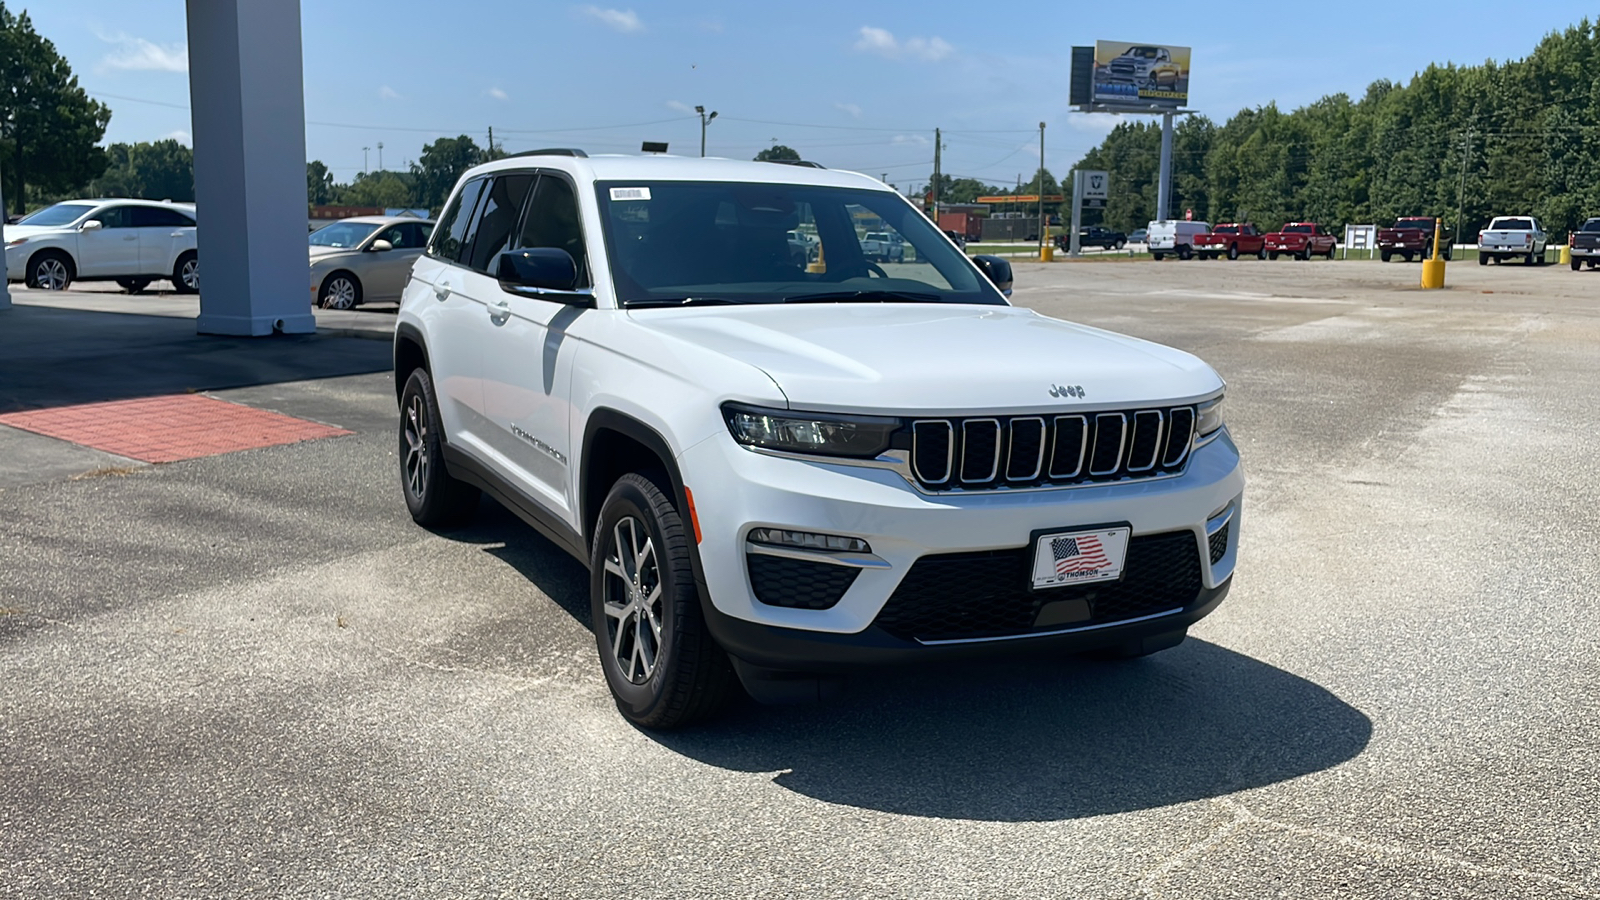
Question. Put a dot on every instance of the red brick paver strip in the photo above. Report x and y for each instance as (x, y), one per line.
(167, 429)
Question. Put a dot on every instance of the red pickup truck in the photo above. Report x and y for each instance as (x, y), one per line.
(1302, 240)
(1410, 237)
(1231, 239)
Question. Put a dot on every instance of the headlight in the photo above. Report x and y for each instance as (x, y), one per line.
(1209, 421)
(824, 434)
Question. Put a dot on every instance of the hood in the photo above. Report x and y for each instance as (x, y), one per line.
(934, 358)
(12, 232)
(318, 253)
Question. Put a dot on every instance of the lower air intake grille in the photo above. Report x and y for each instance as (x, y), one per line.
(798, 583)
(956, 596)
(1219, 543)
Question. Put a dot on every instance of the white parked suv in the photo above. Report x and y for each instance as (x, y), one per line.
(131, 242)
(780, 472)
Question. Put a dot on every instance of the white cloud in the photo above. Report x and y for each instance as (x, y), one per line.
(712, 25)
(679, 106)
(137, 54)
(497, 94)
(851, 108)
(1095, 123)
(181, 136)
(913, 140)
(388, 93)
(624, 20)
(883, 42)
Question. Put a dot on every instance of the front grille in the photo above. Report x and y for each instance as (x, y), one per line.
(956, 596)
(1219, 543)
(798, 583)
(984, 453)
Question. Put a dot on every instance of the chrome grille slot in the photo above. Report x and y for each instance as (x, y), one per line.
(980, 450)
(1110, 434)
(933, 450)
(1144, 446)
(1180, 436)
(1069, 447)
(1025, 458)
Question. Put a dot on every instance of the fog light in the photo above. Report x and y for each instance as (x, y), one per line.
(806, 540)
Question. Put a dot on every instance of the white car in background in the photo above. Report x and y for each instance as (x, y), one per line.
(131, 242)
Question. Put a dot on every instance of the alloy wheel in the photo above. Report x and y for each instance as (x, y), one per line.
(190, 273)
(51, 274)
(341, 294)
(633, 600)
(416, 433)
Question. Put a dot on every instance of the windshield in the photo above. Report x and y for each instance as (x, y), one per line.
(1511, 225)
(1297, 229)
(1143, 52)
(60, 214)
(1425, 224)
(727, 242)
(1591, 225)
(342, 234)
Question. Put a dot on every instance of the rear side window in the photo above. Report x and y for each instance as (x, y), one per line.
(497, 218)
(114, 217)
(156, 217)
(553, 222)
(452, 227)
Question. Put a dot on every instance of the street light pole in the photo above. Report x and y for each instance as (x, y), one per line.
(1041, 190)
(380, 156)
(704, 121)
(364, 159)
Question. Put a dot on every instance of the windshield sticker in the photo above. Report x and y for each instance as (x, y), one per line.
(638, 193)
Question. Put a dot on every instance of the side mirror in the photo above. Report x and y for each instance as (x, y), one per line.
(380, 246)
(92, 225)
(549, 273)
(998, 271)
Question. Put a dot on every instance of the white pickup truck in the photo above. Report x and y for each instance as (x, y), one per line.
(1508, 237)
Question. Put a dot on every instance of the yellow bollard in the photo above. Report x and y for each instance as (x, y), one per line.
(1433, 268)
(1566, 254)
(818, 267)
(1047, 251)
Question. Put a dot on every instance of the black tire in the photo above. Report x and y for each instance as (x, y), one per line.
(1262, 253)
(1184, 252)
(134, 285)
(1273, 254)
(340, 290)
(1528, 260)
(1593, 263)
(1576, 264)
(1483, 259)
(1158, 255)
(1332, 249)
(1385, 255)
(50, 270)
(186, 273)
(1233, 251)
(1121, 244)
(1408, 255)
(434, 498)
(675, 672)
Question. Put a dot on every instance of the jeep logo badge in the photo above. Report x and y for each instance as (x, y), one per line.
(1071, 390)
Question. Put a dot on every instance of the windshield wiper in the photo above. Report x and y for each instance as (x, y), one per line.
(677, 301)
(876, 296)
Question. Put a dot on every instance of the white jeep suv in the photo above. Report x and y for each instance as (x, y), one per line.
(131, 242)
(779, 471)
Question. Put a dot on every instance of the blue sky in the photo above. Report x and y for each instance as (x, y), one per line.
(849, 85)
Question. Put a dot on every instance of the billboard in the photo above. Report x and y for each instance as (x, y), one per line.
(1140, 76)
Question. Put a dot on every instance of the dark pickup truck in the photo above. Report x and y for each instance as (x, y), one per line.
(1095, 236)
(1585, 244)
(1410, 237)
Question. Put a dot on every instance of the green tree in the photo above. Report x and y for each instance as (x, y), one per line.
(440, 166)
(160, 170)
(48, 126)
(319, 184)
(777, 151)
(385, 189)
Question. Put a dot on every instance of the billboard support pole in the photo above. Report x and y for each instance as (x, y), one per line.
(1164, 192)
(5, 289)
(1075, 246)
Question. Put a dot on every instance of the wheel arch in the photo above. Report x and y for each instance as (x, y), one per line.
(410, 354)
(64, 253)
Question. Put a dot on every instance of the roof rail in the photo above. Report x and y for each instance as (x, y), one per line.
(553, 151)
(796, 162)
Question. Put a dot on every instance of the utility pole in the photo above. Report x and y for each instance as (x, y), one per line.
(704, 121)
(1461, 200)
(1164, 187)
(1041, 191)
(380, 156)
(5, 289)
(364, 159)
(934, 193)
(489, 154)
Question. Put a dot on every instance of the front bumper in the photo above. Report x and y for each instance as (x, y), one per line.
(737, 490)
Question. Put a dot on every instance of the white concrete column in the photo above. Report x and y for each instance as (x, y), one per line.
(5, 287)
(247, 97)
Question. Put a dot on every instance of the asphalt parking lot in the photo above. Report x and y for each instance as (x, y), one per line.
(252, 674)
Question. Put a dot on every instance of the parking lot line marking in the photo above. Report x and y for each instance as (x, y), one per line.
(169, 428)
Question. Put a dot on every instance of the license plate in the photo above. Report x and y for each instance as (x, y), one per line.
(1063, 558)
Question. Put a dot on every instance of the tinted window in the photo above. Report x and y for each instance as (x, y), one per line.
(453, 224)
(405, 236)
(416, 234)
(501, 206)
(553, 222)
(113, 217)
(1592, 225)
(1512, 225)
(156, 217)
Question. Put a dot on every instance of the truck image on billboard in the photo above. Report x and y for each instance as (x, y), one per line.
(1140, 75)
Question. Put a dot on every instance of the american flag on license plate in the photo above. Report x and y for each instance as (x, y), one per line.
(1078, 554)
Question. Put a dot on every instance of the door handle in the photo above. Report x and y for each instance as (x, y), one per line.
(499, 312)
(176, 234)
(131, 237)
(441, 291)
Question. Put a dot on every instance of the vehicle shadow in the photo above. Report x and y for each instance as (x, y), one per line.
(58, 357)
(1013, 740)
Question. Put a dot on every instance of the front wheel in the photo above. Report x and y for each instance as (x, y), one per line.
(186, 274)
(50, 270)
(341, 290)
(1233, 251)
(660, 661)
(133, 285)
(433, 497)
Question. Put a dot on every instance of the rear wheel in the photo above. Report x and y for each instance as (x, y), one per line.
(1385, 255)
(1184, 252)
(1273, 254)
(186, 274)
(134, 285)
(1408, 255)
(434, 497)
(660, 661)
(50, 270)
(1528, 260)
(1233, 251)
(1483, 258)
(1158, 255)
(1576, 264)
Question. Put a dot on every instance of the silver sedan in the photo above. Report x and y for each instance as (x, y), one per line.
(364, 259)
